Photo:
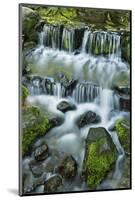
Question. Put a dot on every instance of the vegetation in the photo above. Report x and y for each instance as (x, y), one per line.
(105, 19)
(123, 132)
(25, 94)
(98, 163)
(35, 125)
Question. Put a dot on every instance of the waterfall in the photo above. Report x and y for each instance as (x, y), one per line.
(101, 43)
(92, 67)
(50, 36)
(85, 92)
(68, 40)
(93, 42)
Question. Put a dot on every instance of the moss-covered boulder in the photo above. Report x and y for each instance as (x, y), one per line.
(100, 156)
(30, 18)
(25, 94)
(34, 125)
(123, 132)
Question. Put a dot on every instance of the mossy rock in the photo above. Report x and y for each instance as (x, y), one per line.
(100, 156)
(25, 94)
(34, 125)
(30, 18)
(123, 132)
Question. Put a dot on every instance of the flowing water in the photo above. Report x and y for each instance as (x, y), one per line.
(96, 75)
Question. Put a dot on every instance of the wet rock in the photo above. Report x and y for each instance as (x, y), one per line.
(39, 26)
(56, 121)
(123, 131)
(28, 189)
(41, 153)
(112, 127)
(36, 168)
(100, 156)
(88, 118)
(52, 184)
(122, 90)
(68, 84)
(67, 168)
(65, 106)
(125, 103)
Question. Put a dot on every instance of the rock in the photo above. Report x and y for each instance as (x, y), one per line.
(34, 125)
(36, 168)
(68, 84)
(52, 184)
(123, 131)
(28, 189)
(39, 26)
(56, 121)
(65, 106)
(77, 52)
(29, 20)
(41, 152)
(87, 118)
(100, 156)
(122, 90)
(67, 168)
(125, 103)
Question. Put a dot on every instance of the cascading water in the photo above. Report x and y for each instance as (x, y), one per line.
(98, 62)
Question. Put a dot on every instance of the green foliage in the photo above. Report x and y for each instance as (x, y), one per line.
(25, 94)
(98, 163)
(123, 132)
(35, 125)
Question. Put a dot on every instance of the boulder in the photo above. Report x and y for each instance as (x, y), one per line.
(36, 168)
(67, 168)
(30, 18)
(100, 156)
(35, 125)
(88, 117)
(125, 103)
(52, 184)
(123, 131)
(41, 152)
(56, 121)
(65, 106)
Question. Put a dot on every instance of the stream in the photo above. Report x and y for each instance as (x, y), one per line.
(94, 78)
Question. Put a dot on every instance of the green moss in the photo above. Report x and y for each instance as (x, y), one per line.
(25, 94)
(98, 163)
(123, 132)
(35, 125)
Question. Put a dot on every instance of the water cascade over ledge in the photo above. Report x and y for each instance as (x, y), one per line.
(83, 72)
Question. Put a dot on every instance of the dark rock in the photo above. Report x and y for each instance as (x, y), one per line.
(36, 168)
(76, 52)
(65, 106)
(122, 90)
(52, 184)
(39, 25)
(56, 121)
(28, 189)
(100, 156)
(125, 103)
(112, 127)
(67, 168)
(88, 118)
(41, 153)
